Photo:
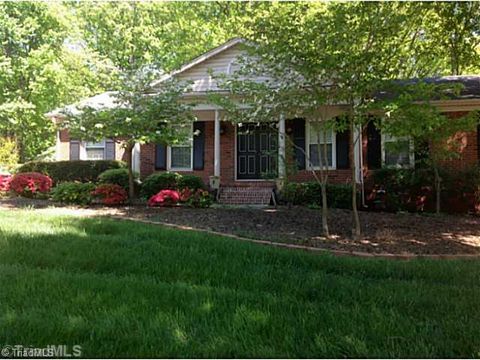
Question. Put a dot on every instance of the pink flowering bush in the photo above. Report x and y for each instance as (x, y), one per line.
(31, 184)
(5, 182)
(110, 194)
(165, 198)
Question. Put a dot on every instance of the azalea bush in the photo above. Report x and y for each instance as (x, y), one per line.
(165, 198)
(31, 184)
(110, 194)
(197, 199)
(73, 193)
(5, 182)
(157, 182)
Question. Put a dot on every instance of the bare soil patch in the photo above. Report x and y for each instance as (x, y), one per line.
(383, 232)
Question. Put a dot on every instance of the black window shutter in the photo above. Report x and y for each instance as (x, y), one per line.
(374, 149)
(421, 153)
(343, 149)
(198, 145)
(160, 157)
(298, 134)
(74, 150)
(109, 150)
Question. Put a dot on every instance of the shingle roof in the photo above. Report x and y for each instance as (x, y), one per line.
(470, 86)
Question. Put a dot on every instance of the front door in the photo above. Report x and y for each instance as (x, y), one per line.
(257, 151)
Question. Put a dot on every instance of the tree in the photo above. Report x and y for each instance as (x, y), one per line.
(336, 53)
(139, 115)
(40, 70)
(412, 114)
(453, 34)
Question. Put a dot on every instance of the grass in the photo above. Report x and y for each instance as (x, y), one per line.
(122, 289)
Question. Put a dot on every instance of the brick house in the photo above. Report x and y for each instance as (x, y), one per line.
(236, 157)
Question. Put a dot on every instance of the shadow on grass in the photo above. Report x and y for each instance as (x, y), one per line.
(123, 289)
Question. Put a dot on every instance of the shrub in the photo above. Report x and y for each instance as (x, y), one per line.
(165, 198)
(110, 194)
(154, 183)
(5, 182)
(310, 193)
(30, 184)
(199, 199)
(116, 176)
(8, 153)
(190, 181)
(78, 170)
(73, 193)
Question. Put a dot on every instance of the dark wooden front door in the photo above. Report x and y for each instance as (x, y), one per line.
(257, 151)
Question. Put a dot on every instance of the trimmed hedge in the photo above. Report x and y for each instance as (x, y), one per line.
(310, 193)
(78, 170)
(171, 181)
(116, 176)
(73, 193)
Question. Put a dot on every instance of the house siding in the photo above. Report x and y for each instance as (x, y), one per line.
(63, 147)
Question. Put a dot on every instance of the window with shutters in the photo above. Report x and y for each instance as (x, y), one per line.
(317, 138)
(397, 151)
(180, 155)
(95, 150)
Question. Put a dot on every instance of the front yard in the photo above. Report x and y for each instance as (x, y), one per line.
(123, 289)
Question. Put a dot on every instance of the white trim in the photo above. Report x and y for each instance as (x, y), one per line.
(169, 154)
(217, 145)
(411, 155)
(307, 150)
(86, 147)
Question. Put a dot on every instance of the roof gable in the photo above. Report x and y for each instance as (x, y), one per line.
(223, 53)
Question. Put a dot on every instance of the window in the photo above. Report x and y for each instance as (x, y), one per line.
(95, 150)
(180, 156)
(397, 151)
(317, 137)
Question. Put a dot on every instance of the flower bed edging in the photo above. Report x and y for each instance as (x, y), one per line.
(304, 247)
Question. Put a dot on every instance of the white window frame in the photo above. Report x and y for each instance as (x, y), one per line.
(307, 150)
(96, 146)
(169, 154)
(411, 155)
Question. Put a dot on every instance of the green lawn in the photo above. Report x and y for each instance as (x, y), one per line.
(123, 289)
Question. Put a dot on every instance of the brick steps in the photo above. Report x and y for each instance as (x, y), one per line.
(239, 195)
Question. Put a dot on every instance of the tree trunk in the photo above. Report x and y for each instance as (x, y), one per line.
(326, 231)
(131, 182)
(438, 190)
(357, 229)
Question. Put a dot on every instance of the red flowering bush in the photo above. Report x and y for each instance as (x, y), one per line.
(110, 194)
(30, 184)
(5, 182)
(164, 198)
(185, 194)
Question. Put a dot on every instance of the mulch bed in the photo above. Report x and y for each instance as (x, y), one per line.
(383, 232)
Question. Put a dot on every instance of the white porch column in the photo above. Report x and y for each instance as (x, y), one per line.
(136, 158)
(216, 166)
(281, 147)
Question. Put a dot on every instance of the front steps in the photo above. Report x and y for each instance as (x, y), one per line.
(246, 195)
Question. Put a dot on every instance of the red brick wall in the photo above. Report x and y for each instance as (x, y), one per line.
(468, 150)
(147, 156)
(469, 157)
